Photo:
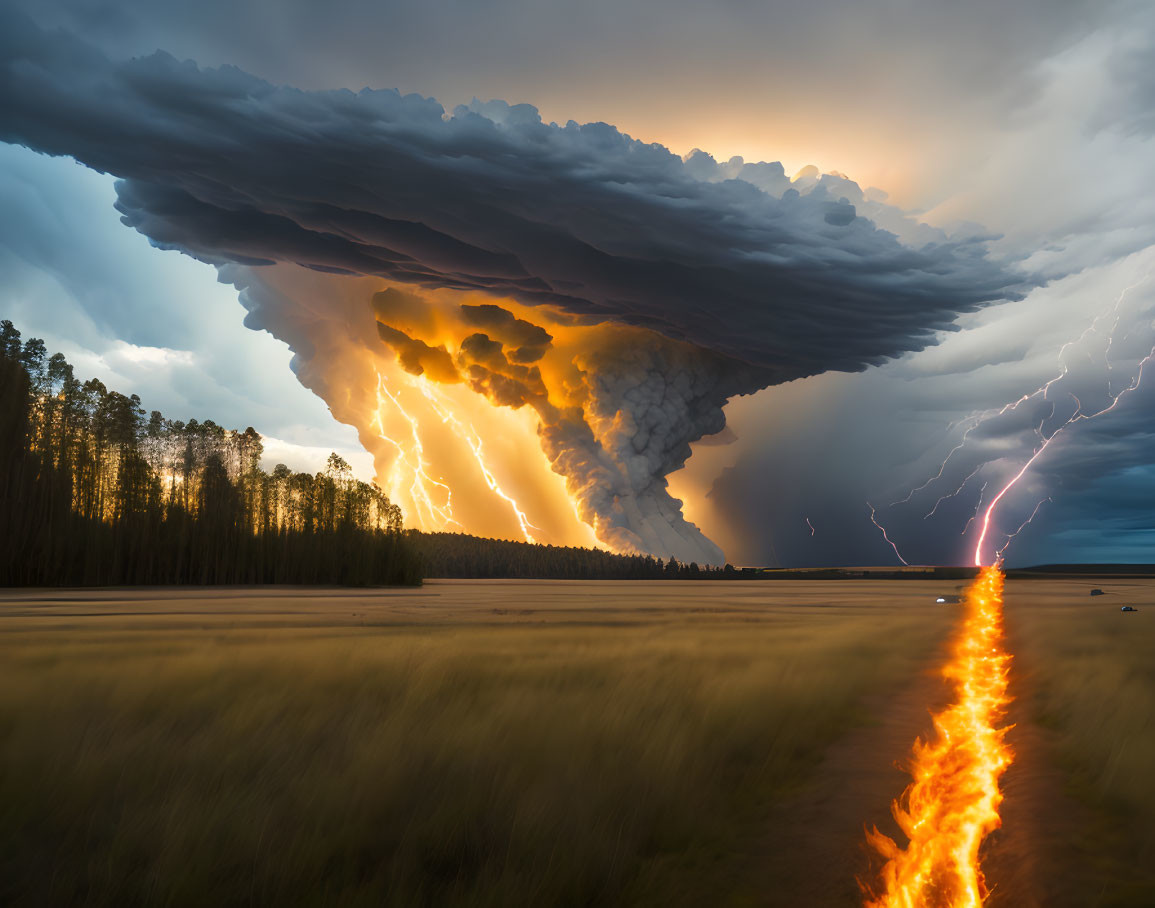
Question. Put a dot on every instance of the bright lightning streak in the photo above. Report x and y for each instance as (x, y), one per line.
(1022, 526)
(414, 461)
(949, 495)
(890, 542)
(986, 521)
(1111, 314)
(1076, 417)
(978, 508)
(440, 407)
(809, 524)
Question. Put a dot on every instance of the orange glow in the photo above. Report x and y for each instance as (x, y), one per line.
(953, 802)
(463, 367)
(410, 467)
(471, 438)
(802, 134)
(456, 463)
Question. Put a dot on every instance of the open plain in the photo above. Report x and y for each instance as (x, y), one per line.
(548, 742)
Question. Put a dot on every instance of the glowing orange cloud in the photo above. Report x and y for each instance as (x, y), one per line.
(568, 379)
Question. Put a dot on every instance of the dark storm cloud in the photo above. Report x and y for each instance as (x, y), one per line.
(402, 310)
(232, 169)
(901, 438)
(529, 342)
(949, 51)
(417, 357)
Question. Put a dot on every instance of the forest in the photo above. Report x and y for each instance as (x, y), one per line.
(94, 492)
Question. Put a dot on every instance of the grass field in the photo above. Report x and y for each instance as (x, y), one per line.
(1087, 673)
(520, 743)
(466, 744)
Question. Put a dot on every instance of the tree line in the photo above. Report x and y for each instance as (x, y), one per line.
(94, 491)
(463, 556)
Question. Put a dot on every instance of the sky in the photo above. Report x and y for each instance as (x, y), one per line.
(744, 358)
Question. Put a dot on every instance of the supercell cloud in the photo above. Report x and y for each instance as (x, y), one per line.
(738, 277)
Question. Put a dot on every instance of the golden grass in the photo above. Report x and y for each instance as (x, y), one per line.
(465, 744)
(1090, 673)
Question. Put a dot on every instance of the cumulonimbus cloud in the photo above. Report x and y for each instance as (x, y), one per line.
(230, 168)
(769, 282)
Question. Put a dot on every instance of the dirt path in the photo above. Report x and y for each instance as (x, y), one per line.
(1036, 860)
(816, 845)
(816, 849)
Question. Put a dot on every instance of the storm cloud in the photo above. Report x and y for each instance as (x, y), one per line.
(746, 278)
(230, 168)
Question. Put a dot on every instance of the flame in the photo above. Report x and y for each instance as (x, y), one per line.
(953, 802)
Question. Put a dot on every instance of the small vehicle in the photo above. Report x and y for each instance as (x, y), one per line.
(1097, 592)
(1128, 608)
(948, 600)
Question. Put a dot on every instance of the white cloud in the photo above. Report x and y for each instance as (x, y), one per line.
(142, 320)
(311, 458)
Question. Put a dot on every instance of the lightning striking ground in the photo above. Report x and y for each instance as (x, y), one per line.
(882, 529)
(985, 517)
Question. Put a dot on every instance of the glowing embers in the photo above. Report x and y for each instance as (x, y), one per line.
(409, 479)
(953, 802)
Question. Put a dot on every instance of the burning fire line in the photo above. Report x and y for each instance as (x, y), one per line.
(953, 802)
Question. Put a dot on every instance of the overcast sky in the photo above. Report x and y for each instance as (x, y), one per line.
(1030, 124)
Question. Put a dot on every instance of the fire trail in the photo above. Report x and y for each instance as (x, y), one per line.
(952, 804)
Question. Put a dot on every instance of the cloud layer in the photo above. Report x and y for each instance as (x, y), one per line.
(746, 278)
(230, 168)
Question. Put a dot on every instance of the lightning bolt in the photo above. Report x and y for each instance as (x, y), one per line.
(440, 406)
(949, 495)
(809, 524)
(946, 460)
(1022, 526)
(1111, 315)
(889, 541)
(413, 460)
(990, 511)
(978, 507)
(1072, 420)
